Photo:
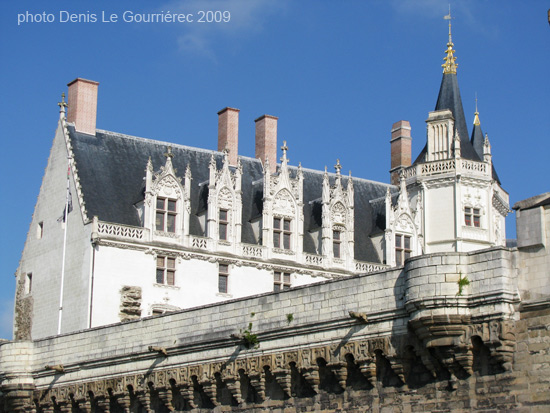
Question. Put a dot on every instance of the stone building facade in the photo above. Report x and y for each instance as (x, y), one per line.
(203, 280)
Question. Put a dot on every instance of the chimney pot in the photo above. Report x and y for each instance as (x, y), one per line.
(266, 140)
(228, 133)
(82, 105)
(400, 149)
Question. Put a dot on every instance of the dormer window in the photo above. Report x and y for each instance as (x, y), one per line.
(403, 248)
(472, 217)
(281, 233)
(337, 243)
(166, 215)
(223, 224)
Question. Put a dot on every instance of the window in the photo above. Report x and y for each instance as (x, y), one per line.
(337, 243)
(157, 312)
(40, 230)
(28, 283)
(223, 277)
(472, 217)
(402, 248)
(166, 215)
(281, 281)
(166, 270)
(281, 233)
(223, 224)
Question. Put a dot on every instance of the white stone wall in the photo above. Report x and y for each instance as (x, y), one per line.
(43, 257)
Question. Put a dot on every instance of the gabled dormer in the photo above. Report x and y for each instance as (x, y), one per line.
(403, 236)
(225, 203)
(283, 215)
(338, 220)
(167, 201)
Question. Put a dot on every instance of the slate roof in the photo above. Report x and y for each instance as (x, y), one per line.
(111, 168)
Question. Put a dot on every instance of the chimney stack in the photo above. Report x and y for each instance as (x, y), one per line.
(228, 133)
(400, 149)
(266, 140)
(82, 105)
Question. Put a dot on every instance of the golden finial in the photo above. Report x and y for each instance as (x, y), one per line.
(476, 115)
(449, 66)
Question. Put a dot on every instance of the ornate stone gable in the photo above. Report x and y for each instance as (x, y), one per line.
(338, 220)
(224, 202)
(283, 205)
(165, 186)
(403, 221)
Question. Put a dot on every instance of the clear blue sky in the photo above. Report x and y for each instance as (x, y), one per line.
(336, 73)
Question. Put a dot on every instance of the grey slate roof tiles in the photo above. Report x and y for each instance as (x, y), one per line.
(112, 171)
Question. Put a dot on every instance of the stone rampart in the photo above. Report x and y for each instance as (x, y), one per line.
(408, 339)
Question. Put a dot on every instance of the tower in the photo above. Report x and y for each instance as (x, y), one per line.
(455, 197)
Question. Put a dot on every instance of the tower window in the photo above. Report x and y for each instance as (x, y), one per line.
(402, 248)
(472, 217)
(166, 270)
(337, 243)
(281, 233)
(166, 215)
(223, 278)
(223, 223)
(40, 230)
(281, 281)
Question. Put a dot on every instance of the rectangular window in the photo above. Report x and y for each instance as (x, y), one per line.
(402, 248)
(281, 281)
(282, 233)
(223, 277)
(223, 224)
(40, 230)
(472, 217)
(336, 243)
(166, 270)
(165, 215)
(28, 283)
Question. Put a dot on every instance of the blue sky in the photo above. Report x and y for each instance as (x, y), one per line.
(337, 74)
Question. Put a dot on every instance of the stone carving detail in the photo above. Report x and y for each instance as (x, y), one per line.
(453, 354)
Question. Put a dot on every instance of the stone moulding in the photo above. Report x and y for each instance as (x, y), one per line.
(449, 336)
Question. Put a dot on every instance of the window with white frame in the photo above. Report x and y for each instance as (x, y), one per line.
(166, 270)
(166, 215)
(223, 278)
(281, 281)
(472, 217)
(223, 224)
(403, 248)
(282, 233)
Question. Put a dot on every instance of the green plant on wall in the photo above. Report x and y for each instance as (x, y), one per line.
(289, 318)
(250, 339)
(462, 282)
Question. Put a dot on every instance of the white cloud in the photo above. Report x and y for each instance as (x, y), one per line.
(247, 18)
(6, 319)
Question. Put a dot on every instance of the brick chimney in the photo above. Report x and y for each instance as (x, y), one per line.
(400, 149)
(266, 140)
(228, 133)
(82, 105)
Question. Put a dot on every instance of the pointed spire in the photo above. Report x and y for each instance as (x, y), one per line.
(449, 66)
(284, 159)
(476, 115)
(337, 167)
(62, 105)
